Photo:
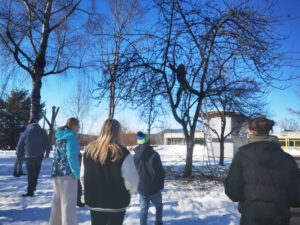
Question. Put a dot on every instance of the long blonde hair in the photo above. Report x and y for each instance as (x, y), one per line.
(109, 140)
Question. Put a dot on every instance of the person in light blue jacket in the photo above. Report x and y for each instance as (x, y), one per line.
(66, 173)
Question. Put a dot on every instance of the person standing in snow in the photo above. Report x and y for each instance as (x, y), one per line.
(109, 176)
(152, 176)
(18, 170)
(66, 173)
(263, 178)
(34, 145)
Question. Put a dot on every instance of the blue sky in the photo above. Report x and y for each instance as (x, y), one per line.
(280, 100)
(56, 89)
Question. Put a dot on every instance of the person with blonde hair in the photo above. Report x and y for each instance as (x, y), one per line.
(109, 176)
(66, 173)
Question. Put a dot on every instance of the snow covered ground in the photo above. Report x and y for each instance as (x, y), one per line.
(185, 202)
(295, 152)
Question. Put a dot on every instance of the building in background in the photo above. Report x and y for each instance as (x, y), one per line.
(236, 132)
(176, 137)
(236, 127)
(289, 139)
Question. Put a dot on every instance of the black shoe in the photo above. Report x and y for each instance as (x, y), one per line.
(80, 204)
(16, 174)
(21, 174)
(28, 195)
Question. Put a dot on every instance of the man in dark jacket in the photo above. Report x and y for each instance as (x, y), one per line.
(152, 177)
(263, 178)
(34, 145)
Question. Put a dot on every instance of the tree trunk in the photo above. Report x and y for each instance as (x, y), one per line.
(222, 139)
(189, 157)
(36, 109)
(111, 99)
(222, 149)
(149, 131)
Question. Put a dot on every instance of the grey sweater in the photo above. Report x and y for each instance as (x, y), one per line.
(34, 142)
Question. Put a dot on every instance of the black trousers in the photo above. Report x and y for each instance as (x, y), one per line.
(33, 166)
(79, 192)
(107, 218)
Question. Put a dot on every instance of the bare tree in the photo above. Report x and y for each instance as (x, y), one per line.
(116, 39)
(289, 124)
(125, 126)
(79, 103)
(43, 38)
(51, 122)
(238, 97)
(192, 45)
(8, 74)
(151, 111)
(3, 84)
(296, 111)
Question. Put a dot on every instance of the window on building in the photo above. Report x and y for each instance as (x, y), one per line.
(175, 141)
(291, 143)
(282, 142)
(297, 143)
(199, 141)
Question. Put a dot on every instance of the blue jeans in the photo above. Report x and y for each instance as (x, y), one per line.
(156, 199)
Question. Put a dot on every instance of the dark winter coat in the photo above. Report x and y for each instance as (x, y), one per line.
(150, 169)
(104, 185)
(262, 178)
(34, 142)
(295, 220)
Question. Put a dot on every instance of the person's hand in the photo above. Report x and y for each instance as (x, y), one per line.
(20, 158)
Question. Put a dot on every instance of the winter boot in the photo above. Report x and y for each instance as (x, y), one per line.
(21, 174)
(80, 204)
(16, 174)
(28, 195)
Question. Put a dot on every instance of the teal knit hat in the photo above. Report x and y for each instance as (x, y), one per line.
(142, 138)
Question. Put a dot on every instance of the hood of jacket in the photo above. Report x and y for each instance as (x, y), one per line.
(64, 134)
(265, 153)
(143, 152)
(269, 138)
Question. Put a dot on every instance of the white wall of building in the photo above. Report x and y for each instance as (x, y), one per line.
(215, 123)
(229, 150)
(232, 143)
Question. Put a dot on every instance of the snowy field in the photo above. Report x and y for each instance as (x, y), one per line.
(185, 202)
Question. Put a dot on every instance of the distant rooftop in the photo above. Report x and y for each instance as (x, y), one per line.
(175, 131)
(227, 113)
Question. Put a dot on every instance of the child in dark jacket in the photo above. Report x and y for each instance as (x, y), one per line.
(152, 175)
